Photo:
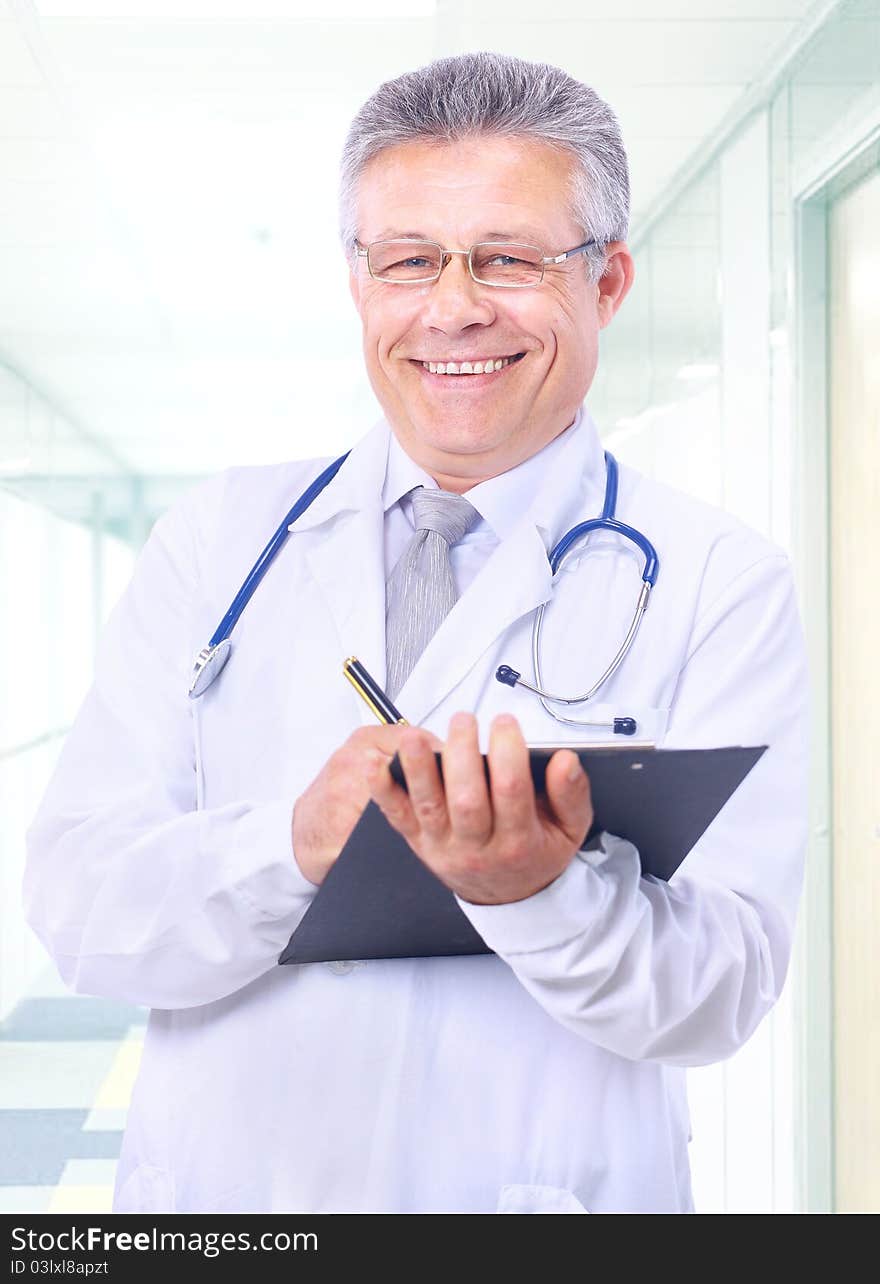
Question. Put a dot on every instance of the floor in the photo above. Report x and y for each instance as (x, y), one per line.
(67, 1068)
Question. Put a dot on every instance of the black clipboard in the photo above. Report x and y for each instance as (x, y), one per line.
(379, 901)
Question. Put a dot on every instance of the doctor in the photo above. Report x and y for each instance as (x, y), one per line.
(181, 841)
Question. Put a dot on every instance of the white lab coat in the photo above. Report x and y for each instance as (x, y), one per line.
(547, 1076)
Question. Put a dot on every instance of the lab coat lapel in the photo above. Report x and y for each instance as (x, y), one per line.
(346, 562)
(514, 581)
(344, 552)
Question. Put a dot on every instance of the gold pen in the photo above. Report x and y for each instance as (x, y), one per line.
(371, 693)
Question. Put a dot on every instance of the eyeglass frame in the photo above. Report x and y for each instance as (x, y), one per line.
(363, 252)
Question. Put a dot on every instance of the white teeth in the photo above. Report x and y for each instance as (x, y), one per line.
(467, 367)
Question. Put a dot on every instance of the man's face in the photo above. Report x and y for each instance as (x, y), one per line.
(464, 428)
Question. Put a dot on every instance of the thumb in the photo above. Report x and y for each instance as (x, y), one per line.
(568, 794)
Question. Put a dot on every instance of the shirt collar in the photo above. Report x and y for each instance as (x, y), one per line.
(503, 500)
(402, 475)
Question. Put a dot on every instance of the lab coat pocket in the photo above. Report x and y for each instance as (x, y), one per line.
(538, 1199)
(146, 1189)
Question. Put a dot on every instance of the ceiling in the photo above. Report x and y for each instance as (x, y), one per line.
(163, 163)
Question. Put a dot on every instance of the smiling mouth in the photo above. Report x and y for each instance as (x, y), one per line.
(488, 365)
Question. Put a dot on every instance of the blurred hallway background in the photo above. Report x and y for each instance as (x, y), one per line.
(167, 200)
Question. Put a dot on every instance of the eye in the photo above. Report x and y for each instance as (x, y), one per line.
(503, 260)
(412, 263)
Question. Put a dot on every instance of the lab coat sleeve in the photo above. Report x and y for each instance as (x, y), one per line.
(136, 893)
(682, 972)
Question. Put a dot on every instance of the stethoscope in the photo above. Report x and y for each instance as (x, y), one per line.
(211, 659)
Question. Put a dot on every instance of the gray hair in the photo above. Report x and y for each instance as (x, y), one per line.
(492, 93)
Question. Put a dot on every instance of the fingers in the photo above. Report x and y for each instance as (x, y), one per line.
(393, 801)
(385, 739)
(568, 795)
(461, 805)
(513, 794)
(351, 770)
(421, 807)
(425, 788)
(464, 777)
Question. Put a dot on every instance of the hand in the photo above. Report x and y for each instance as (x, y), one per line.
(493, 843)
(325, 815)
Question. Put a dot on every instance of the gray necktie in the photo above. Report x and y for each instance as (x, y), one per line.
(421, 591)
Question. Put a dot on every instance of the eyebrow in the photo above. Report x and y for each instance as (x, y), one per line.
(392, 234)
(529, 234)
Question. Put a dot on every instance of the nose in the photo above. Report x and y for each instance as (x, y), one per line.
(456, 301)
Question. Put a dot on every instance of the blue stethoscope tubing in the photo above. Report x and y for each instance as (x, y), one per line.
(211, 659)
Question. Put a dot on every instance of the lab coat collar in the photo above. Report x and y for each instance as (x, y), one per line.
(358, 484)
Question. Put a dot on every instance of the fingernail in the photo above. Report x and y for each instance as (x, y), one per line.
(575, 771)
(460, 722)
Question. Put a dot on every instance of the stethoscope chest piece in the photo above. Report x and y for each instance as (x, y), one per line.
(209, 663)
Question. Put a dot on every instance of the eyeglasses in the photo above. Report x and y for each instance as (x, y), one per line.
(503, 263)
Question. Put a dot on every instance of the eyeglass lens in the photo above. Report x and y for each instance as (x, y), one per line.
(493, 262)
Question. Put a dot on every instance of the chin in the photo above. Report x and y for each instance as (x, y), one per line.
(452, 444)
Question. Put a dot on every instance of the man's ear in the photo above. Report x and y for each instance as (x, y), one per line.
(614, 284)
